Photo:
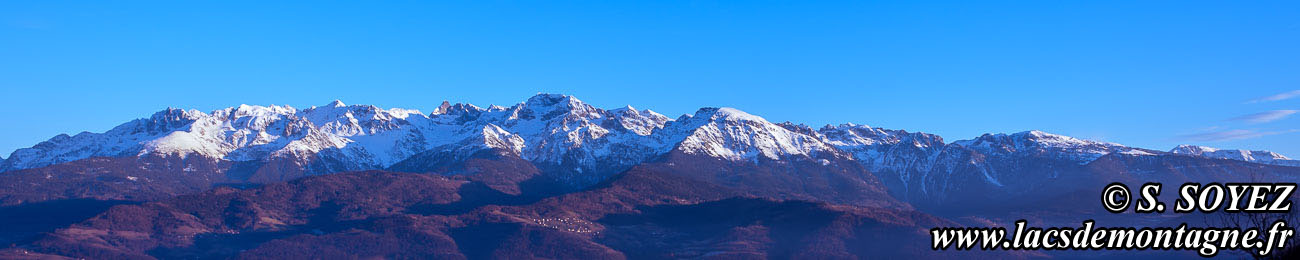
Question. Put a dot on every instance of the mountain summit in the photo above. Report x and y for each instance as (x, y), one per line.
(1265, 157)
(603, 183)
(567, 141)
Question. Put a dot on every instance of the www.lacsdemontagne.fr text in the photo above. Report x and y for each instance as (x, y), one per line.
(1206, 241)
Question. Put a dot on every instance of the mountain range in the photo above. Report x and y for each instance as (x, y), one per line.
(554, 177)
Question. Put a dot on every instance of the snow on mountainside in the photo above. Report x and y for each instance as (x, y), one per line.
(1045, 144)
(558, 127)
(921, 168)
(371, 135)
(124, 140)
(1265, 157)
(735, 135)
(884, 149)
(560, 133)
(557, 133)
(548, 129)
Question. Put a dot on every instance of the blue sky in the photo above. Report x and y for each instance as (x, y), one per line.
(1143, 74)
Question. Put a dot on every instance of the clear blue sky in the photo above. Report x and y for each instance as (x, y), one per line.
(1150, 75)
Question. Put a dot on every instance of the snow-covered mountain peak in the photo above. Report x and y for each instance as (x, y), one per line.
(358, 112)
(547, 99)
(847, 126)
(641, 122)
(358, 119)
(459, 112)
(1265, 157)
(551, 130)
(372, 135)
(728, 114)
(735, 135)
(163, 121)
(1035, 138)
(402, 113)
(171, 113)
(496, 137)
(882, 149)
(854, 135)
(1056, 140)
(557, 132)
(551, 106)
(254, 111)
(336, 103)
(1193, 149)
(801, 129)
(1045, 144)
(442, 108)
